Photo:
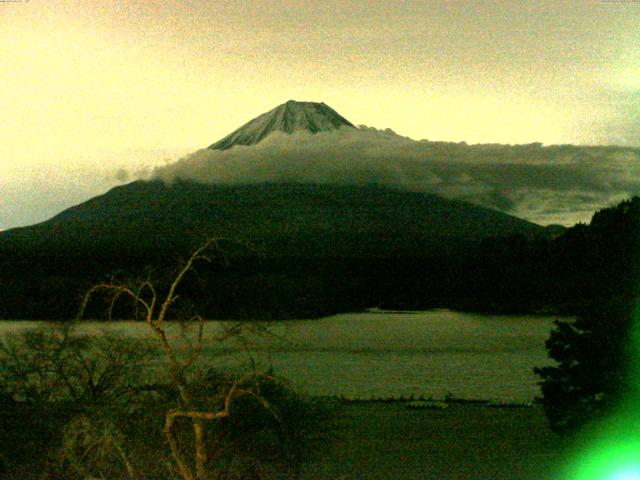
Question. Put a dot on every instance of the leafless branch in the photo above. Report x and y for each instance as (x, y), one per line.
(145, 295)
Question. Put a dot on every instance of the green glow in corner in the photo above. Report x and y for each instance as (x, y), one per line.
(611, 450)
(632, 474)
(616, 460)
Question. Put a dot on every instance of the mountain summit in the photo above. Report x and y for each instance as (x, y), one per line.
(289, 117)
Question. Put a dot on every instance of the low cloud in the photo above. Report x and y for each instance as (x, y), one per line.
(121, 175)
(554, 184)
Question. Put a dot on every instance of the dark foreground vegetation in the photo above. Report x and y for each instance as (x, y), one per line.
(75, 407)
(293, 275)
(102, 406)
(328, 440)
(598, 354)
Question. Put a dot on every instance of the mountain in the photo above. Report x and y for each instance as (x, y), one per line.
(289, 117)
(290, 218)
(297, 220)
(305, 250)
(309, 249)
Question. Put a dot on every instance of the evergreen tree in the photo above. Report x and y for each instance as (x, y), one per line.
(595, 354)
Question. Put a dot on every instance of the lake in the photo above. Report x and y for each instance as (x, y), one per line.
(385, 354)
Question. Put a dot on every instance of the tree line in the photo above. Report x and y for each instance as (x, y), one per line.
(564, 274)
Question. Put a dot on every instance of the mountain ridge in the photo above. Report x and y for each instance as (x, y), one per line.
(313, 248)
(350, 219)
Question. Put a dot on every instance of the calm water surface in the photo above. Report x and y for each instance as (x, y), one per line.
(382, 354)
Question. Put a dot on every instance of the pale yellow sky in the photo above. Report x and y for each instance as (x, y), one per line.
(88, 87)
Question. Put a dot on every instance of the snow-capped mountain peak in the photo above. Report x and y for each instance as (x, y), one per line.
(289, 117)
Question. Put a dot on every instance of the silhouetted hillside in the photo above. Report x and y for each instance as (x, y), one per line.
(311, 249)
(340, 259)
(294, 220)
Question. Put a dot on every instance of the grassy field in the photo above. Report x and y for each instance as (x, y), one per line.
(464, 441)
(385, 441)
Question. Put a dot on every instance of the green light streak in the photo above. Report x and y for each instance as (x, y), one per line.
(611, 449)
(616, 459)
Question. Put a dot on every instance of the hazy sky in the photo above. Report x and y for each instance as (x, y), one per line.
(90, 87)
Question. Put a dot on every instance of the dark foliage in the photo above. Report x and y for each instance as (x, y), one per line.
(592, 376)
(322, 249)
(307, 273)
(49, 375)
(74, 406)
(595, 353)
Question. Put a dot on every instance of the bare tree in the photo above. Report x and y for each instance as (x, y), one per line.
(155, 307)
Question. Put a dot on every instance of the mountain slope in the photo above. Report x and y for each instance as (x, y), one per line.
(286, 219)
(289, 117)
(314, 247)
